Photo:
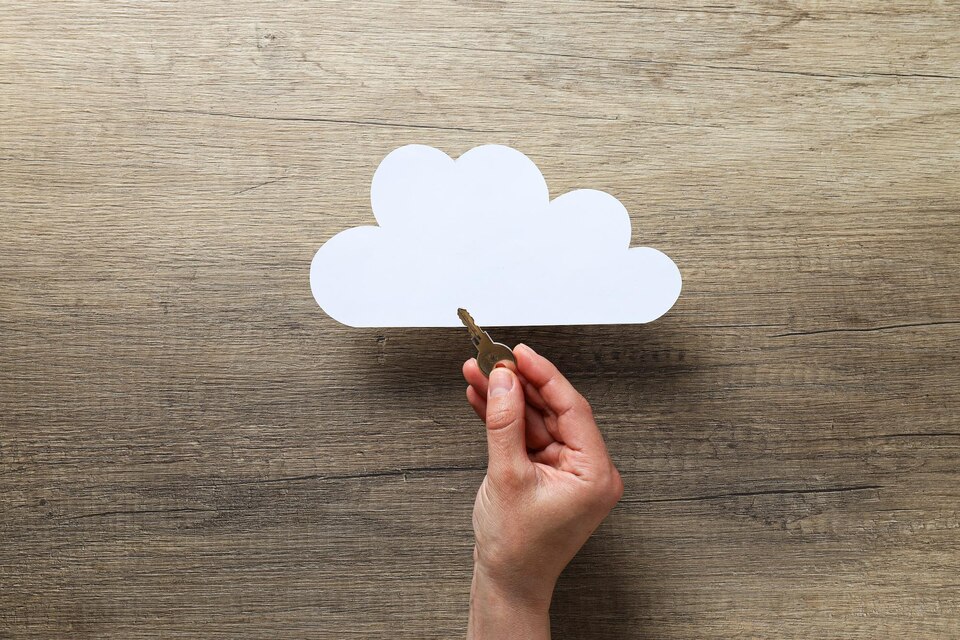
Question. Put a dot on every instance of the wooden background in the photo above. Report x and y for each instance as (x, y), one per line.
(191, 448)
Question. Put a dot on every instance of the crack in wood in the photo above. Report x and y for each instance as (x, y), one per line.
(747, 494)
(866, 329)
(372, 123)
(693, 65)
(101, 514)
(262, 184)
(385, 473)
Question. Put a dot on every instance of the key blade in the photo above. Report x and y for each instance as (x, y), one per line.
(476, 333)
(489, 353)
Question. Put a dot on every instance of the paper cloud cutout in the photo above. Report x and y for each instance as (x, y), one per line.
(481, 233)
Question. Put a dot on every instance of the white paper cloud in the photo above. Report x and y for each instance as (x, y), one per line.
(481, 233)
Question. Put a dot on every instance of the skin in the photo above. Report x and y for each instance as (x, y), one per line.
(549, 484)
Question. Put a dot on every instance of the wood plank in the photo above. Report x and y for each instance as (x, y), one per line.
(189, 447)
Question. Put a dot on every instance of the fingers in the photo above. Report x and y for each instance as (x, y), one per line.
(537, 434)
(475, 377)
(575, 423)
(478, 402)
(506, 441)
(549, 455)
(557, 393)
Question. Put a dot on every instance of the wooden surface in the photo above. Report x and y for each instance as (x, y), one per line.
(190, 447)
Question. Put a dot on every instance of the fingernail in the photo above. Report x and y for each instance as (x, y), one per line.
(506, 364)
(527, 347)
(501, 381)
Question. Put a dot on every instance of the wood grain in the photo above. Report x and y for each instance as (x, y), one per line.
(191, 448)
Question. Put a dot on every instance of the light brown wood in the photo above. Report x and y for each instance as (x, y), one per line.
(191, 448)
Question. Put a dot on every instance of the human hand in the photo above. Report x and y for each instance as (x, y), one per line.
(549, 484)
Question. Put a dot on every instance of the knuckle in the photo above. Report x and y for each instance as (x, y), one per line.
(499, 417)
(610, 488)
(583, 407)
(617, 486)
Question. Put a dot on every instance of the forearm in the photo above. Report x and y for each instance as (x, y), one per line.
(494, 615)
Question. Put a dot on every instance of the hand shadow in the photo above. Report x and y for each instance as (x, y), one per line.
(396, 357)
(601, 594)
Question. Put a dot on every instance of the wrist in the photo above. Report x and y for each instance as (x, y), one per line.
(526, 594)
(500, 610)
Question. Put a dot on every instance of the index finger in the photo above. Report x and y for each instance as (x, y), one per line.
(574, 416)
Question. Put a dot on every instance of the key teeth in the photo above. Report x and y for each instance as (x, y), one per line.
(468, 322)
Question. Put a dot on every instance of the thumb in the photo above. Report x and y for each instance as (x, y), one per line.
(506, 442)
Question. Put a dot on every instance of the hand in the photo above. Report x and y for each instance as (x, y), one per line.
(549, 484)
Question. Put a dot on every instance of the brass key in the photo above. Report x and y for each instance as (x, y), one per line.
(489, 353)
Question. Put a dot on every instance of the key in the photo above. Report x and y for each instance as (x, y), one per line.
(489, 353)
